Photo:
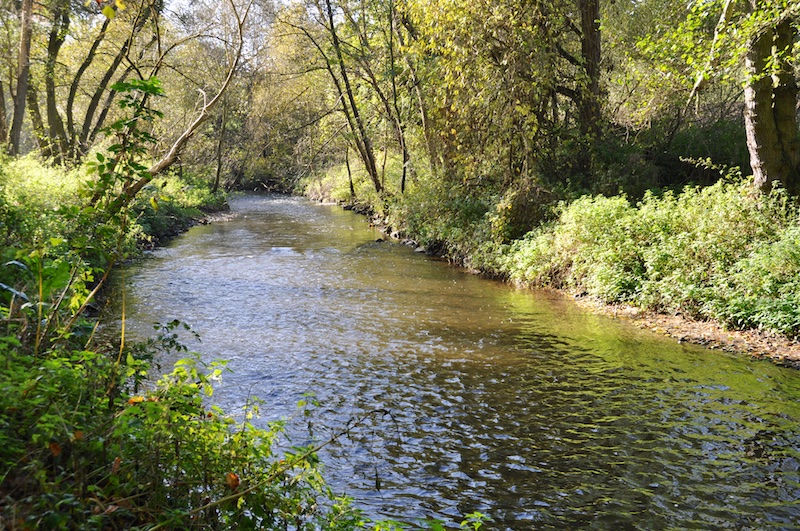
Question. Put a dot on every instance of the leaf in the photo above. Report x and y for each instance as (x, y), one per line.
(14, 292)
(232, 480)
(18, 264)
(109, 12)
(121, 5)
(55, 449)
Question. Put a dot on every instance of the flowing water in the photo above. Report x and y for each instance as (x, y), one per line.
(514, 403)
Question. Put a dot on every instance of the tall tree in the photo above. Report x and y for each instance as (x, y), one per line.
(374, 53)
(322, 31)
(23, 71)
(364, 140)
(510, 84)
(760, 41)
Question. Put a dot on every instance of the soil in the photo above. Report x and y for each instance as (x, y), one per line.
(756, 343)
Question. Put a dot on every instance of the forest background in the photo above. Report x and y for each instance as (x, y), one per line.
(642, 152)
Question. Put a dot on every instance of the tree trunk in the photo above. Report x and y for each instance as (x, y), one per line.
(785, 104)
(401, 133)
(368, 153)
(589, 111)
(769, 113)
(423, 110)
(23, 71)
(76, 150)
(3, 118)
(220, 142)
(349, 174)
(37, 123)
(56, 133)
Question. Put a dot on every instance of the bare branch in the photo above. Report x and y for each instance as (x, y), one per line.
(172, 155)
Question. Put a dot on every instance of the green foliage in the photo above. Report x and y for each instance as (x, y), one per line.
(445, 218)
(169, 205)
(189, 465)
(79, 451)
(721, 252)
(334, 184)
(763, 289)
(123, 163)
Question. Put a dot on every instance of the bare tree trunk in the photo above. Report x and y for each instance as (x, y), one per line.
(100, 89)
(785, 105)
(590, 51)
(73, 89)
(3, 117)
(55, 125)
(401, 133)
(368, 153)
(417, 88)
(349, 174)
(23, 71)
(220, 142)
(769, 113)
(37, 123)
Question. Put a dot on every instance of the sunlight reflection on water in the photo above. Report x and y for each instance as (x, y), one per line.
(514, 403)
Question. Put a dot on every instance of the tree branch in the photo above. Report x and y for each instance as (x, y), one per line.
(172, 155)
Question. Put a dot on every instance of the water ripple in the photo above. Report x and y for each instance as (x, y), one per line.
(515, 404)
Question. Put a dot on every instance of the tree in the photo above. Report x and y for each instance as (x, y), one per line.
(23, 72)
(510, 84)
(759, 44)
(770, 96)
(132, 186)
(374, 51)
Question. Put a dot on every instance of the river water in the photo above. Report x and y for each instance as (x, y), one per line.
(514, 403)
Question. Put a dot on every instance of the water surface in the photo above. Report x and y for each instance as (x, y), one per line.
(514, 403)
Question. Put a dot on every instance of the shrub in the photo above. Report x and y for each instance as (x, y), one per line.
(722, 252)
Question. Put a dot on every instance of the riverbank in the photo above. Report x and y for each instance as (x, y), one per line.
(716, 266)
(88, 440)
(755, 343)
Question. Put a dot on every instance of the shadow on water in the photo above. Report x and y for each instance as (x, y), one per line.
(514, 403)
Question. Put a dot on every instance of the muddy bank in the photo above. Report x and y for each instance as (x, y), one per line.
(758, 344)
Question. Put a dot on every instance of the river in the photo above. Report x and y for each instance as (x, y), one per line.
(514, 403)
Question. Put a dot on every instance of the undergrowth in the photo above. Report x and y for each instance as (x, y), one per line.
(724, 252)
(83, 444)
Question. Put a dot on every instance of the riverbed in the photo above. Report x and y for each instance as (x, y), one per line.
(518, 404)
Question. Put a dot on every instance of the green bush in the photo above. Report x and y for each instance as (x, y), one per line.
(446, 217)
(81, 450)
(168, 206)
(723, 252)
(763, 288)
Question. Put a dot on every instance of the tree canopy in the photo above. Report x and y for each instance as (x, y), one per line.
(567, 96)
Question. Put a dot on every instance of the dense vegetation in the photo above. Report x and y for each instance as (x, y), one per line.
(593, 146)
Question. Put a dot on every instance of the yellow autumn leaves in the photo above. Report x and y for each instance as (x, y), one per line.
(108, 10)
